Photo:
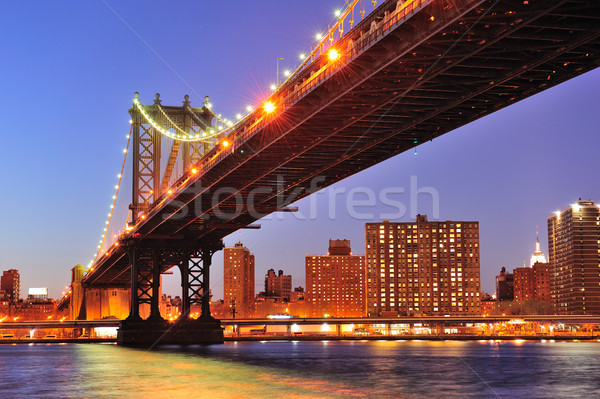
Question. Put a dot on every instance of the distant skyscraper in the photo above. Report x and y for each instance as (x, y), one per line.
(574, 247)
(505, 286)
(238, 287)
(278, 285)
(10, 283)
(537, 256)
(422, 267)
(335, 282)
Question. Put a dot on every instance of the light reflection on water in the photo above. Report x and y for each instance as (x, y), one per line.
(304, 370)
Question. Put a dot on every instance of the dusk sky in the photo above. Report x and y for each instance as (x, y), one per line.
(69, 71)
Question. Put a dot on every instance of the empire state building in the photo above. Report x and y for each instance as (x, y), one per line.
(537, 256)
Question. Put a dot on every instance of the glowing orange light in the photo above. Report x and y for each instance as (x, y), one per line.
(116, 244)
(194, 171)
(225, 143)
(170, 192)
(143, 216)
(269, 107)
(333, 54)
(432, 18)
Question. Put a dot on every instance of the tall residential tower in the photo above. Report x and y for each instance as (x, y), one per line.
(238, 287)
(422, 267)
(335, 282)
(574, 247)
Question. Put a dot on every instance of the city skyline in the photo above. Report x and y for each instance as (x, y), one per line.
(72, 117)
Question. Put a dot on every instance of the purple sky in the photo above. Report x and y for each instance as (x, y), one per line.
(69, 71)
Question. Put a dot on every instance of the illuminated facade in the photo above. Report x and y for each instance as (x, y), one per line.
(538, 255)
(10, 283)
(523, 285)
(574, 248)
(422, 267)
(238, 285)
(335, 282)
(532, 283)
(541, 282)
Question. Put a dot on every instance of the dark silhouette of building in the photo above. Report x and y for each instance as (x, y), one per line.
(574, 247)
(238, 286)
(504, 286)
(278, 285)
(10, 283)
(335, 282)
(422, 267)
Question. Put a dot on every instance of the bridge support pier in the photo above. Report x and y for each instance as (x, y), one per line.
(147, 263)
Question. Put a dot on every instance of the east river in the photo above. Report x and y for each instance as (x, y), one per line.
(344, 369)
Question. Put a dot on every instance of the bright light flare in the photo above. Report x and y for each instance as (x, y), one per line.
(269, 107)
(225, 143)
(333, 54)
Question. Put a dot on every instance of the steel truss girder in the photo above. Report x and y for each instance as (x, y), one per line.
(195, 276)
(150, 259)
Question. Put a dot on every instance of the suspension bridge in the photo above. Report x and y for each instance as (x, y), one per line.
(377, 84)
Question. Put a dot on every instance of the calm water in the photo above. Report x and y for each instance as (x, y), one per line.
(382, 369)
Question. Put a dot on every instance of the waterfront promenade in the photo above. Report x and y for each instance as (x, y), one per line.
(459, 328)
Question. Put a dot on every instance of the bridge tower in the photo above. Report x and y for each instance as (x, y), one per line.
(167, 141)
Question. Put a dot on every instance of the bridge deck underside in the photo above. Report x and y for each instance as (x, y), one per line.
(423, 79)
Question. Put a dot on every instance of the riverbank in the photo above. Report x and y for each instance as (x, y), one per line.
(411, 338)
(10, 341)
